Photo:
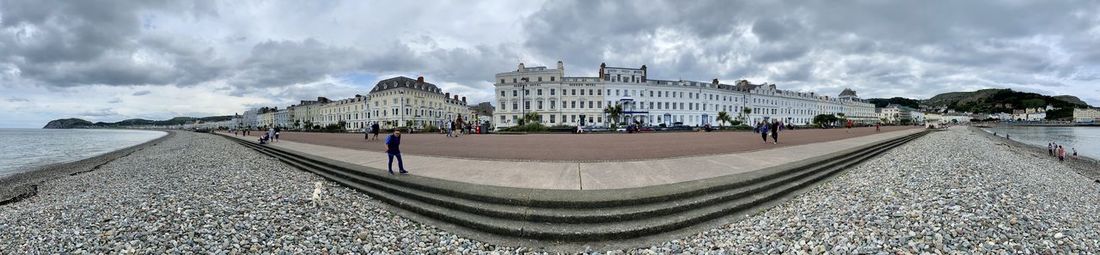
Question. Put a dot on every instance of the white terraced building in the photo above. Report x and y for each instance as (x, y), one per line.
(566, 100)
(400, 101)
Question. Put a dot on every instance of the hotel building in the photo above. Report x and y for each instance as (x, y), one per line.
(405, 102)
(558, 99)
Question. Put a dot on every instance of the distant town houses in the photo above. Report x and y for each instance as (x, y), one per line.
(398, 102)
(1086, 115)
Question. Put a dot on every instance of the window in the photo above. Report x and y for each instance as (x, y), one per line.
(589, 104)
(540, 78)
(515, 93)
(501, 94)
(552, 104)
(502, 82)
(573, 118)
(599, 104)
(552, 92)
(515, 105)
(539, 92)
(616, 92)
(599, 92)
(582, 92)
(573, 104)
(551, 118)
(574, 92)
(589, 92)
(526, 92)
(599, 119)
(540, 105)
(513, 80)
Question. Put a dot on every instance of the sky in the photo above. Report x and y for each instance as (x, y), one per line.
(116, 60)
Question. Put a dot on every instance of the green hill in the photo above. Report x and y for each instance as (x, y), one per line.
(1000, 100)
(79, 123)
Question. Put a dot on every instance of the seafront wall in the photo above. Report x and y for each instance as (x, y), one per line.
(24, 184)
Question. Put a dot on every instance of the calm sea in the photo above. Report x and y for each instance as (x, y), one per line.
(1085, 139)
(28, 148)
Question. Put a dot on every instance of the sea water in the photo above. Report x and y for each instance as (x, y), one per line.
(25, 149)
(1085, 139)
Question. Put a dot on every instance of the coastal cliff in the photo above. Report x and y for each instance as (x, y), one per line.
(68, 123)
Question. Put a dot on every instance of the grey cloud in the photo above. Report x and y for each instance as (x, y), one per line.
(141, 93)
(17, 100)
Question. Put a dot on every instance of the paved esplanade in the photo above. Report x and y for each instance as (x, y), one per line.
(589, 175)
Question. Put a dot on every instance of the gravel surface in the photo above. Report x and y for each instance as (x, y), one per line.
(198, 193)
(949, 192)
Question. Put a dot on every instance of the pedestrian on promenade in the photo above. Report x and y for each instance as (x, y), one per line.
(393, 149)
(775, 132)
(1050, 149)
(374, 131)
(271, 134)
(1074, 153)
(1061, 153)
(764, 132)
(450, 128)
(458, 125)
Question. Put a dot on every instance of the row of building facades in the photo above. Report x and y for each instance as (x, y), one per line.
(557, 99)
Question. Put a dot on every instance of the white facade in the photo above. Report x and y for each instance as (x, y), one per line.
(1086, 115)
(562, 100)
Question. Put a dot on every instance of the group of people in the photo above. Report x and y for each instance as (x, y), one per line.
(271, 136)
(455, 127)
(764, 128)
(1059, 151)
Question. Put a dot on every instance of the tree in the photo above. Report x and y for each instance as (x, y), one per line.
(614, 112)
(297, 123)
(723, 117)
(309, 124)
(531, 118)
(744, 113)
(825, 119)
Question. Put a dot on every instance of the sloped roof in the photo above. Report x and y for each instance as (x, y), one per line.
(405, 82)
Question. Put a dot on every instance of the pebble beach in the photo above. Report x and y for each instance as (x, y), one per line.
(955, 192)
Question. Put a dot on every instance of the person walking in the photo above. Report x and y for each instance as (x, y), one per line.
(1061, 153)
(271, 134)
(1050, 149)
(393, 149)
(775, 132)
(458, 125)
(1074, 153)
(374, 131)
(764, 132)
(450, 128)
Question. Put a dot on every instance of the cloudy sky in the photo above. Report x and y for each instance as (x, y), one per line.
(114, 60)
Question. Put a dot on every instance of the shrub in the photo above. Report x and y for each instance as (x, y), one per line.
(530, 127)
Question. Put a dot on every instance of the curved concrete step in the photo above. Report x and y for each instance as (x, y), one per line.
(576, 215)
(590, 215)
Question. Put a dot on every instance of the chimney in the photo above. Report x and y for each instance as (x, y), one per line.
(456, 97)
(463, 100)
(420, 79)
(715, 81)
(448, 95)
(520, 67)
(561, 65)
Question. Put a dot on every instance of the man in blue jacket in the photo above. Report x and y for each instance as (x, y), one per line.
(393, 148)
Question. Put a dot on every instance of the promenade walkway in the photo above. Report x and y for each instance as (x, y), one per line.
(588, 175)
